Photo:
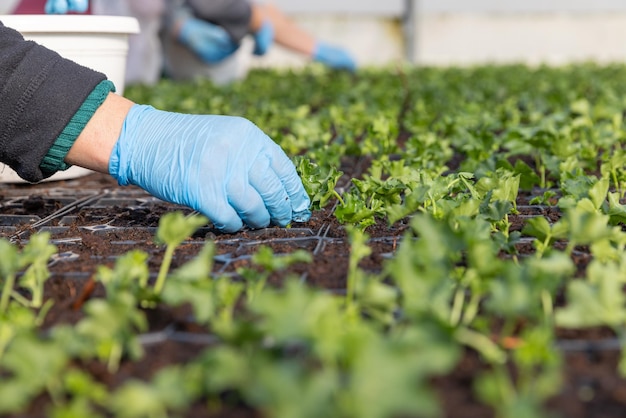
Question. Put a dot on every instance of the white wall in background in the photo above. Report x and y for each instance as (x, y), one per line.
(352, 7)
(531, 31)
(551, 38)
(521, 6)
(386, 7)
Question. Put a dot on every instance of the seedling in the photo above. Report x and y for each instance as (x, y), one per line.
(174, 228)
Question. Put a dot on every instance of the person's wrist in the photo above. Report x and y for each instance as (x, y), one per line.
(55, 158)
(93, 146)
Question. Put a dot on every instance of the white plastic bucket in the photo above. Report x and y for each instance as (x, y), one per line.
(97, 42)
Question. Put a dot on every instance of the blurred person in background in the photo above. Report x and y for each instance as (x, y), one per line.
(188, 39)
(55, 113)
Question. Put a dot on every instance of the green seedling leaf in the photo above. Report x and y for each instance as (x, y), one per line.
(82, 385)
(547, 198)
(32, 366)
(600, 303)
(192, 283)
(36, 255)
(538, 227)
(586, 227)
(300, 315)
(356, 211)
(497, 210)
(266, 258)
(130, 273)
(528, 178)
(10, 264)
(319, 185)
(178, 386)
(358, 250)
(598, 193)
(136, 399)
(112, 325)
(617, 211)
(389, 376)
(174, 227)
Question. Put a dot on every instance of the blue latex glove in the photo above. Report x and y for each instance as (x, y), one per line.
(64, 6)
(263, 38)
(211, 43)
(334, 57)
(222, 166)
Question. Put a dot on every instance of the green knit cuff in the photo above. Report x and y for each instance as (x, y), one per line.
(54, 159)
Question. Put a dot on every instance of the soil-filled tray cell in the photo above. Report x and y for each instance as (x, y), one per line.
(18, 220)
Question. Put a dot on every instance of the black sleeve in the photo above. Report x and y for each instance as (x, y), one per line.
(39, 93)
(233, 15)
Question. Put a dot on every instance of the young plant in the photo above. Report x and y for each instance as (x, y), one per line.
(265, 258)
(10, 264)
(174, 228)
(358, 250)
(36, 255)
(192, 283)
(319, 185)
(112, 326)
(545, 233)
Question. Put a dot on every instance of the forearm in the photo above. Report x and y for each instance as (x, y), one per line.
(286, 32)
(93, 146)
(41, 93)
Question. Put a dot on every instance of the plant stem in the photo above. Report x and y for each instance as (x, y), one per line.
(548, 308)
(617, 187)
(482, 344)
(6, 293)
(114, 357)
(338, 196)
(351, 285)
(457, 306)
(472, 308)
(570, 247)
(21, 299)
(165, 266)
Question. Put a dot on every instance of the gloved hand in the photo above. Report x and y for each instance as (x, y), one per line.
(64, 6)
(334, 57)
(222, 166)
(211, 43)
(263, 38)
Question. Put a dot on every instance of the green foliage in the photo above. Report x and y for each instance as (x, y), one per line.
(443, 152)
(319, 184)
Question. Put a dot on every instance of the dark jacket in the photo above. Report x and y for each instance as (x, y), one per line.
(39, 93)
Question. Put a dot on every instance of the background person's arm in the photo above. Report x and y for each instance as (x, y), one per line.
(286, 32)
(290, 35)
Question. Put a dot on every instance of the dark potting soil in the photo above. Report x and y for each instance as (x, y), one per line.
(92, 221)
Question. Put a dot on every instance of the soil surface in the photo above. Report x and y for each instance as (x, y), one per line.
(92, 221)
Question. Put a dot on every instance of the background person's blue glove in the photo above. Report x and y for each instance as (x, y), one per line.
(263, 38)
(64, 6)
(222, 166)
(334, 57)
(211, 43)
